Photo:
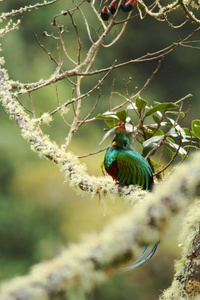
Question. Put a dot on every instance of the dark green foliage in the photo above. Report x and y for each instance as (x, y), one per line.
(157, 129)
(26, 227)
(196, 128)
(22, 229)
(140, 103)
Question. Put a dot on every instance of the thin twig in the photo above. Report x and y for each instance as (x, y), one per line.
(189, 14)
(149, 79)
(33, 112)
(76, 71)
(90, 113)
(63, 118)
(44, 49)
(78, 39)
(26, 8)
(83, 95)
(172, 160)
(92, 153)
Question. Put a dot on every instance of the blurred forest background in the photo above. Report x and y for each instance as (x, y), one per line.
(39, 213)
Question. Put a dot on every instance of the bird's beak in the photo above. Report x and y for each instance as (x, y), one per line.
(114, 143)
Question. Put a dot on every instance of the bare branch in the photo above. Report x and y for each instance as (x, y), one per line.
(92, 153)
(189, 13)
(26, 8)
(81, 96)
(148, 80)
(90, 113)
(42, 144)
(44, 49)
(90, 263)
(76, 71)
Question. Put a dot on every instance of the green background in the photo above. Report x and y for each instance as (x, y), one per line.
(39, 213)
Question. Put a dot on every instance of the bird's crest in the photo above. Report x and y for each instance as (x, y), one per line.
(126, 127)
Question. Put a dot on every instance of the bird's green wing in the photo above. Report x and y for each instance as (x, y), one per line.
(134, 169)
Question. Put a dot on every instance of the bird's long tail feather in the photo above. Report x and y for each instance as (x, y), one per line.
(144, 257)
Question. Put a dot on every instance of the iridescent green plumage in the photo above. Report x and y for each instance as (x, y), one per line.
(127, 167)
(125, 164)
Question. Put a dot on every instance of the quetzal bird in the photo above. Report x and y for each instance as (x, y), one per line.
(127, 167)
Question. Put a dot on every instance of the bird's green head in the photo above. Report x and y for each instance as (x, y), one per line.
(123, 139)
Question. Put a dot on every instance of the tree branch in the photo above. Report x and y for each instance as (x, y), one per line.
(83, 266)
(186, 283)
(78, 270)
(68, 162)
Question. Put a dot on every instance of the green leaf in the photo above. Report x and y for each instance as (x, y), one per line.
(170, 140)
(150, 144)
(110, 117)
(196, 128)
(181, 151)
(151, 126)
(132, 106)
(182, 99)
(176, 113)
(155, 164)
(173, 132)
(110, 123)
(162, 124)
(161, 106)
(188, 137)
(159, 132)
(102, 165)
(107, 116)
(177, 131)
(169, 151)
(140, 7)
(122, 115)
(156, 119)
(151, 129)
(172, 144)
(107, 134)
(120, 95)
(187, 132)
(152, 141)
(146, 150)
(178, 128)
(140, 103)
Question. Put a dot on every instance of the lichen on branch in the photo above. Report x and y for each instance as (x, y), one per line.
(90, 263)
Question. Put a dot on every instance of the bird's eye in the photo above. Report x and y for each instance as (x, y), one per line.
(125, 143)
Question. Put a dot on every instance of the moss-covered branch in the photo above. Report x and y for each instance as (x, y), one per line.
(67, 161)
(83, 266)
